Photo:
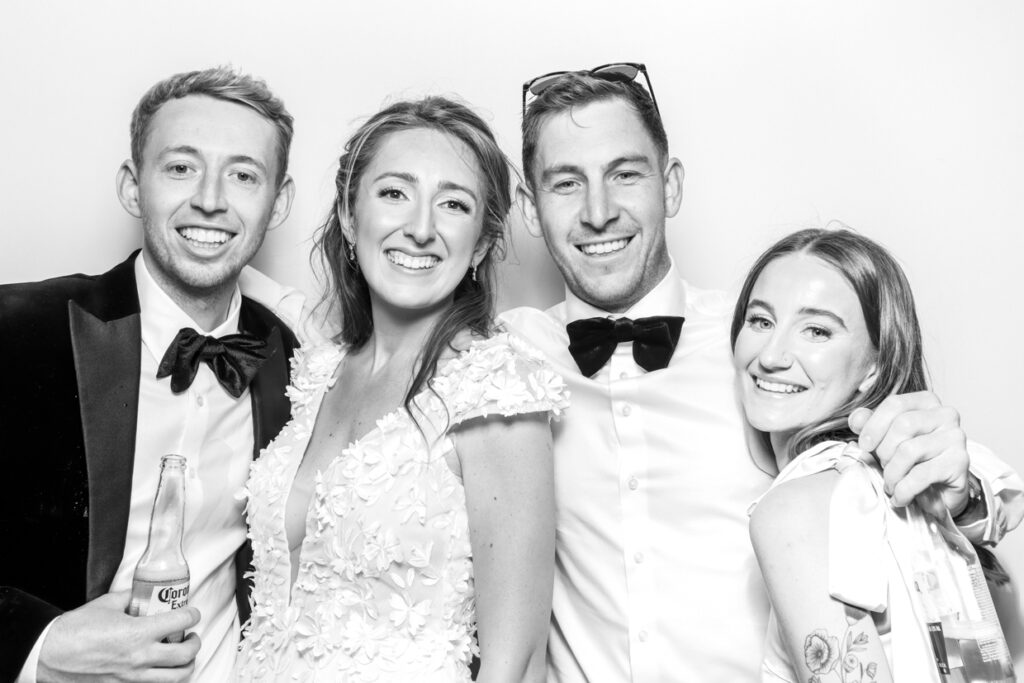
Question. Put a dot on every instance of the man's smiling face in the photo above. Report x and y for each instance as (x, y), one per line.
(600, 195)
(206, 190)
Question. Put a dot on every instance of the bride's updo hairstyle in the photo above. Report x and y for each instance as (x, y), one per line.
(887, 304)
(473, 304)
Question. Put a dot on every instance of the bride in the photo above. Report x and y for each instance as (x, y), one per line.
(406, 512)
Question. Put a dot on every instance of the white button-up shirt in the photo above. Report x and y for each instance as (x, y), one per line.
(655, 578)
(213, 431)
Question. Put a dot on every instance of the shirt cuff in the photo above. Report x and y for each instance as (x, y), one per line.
(28, 670)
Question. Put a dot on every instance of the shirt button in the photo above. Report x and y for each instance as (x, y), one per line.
(200, 400)
(638, 558)
(626, 410)
(633, 484)
(642, 636)
(623, 375)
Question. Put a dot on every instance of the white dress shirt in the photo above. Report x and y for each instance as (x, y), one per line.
(655, 576)
(214, 433)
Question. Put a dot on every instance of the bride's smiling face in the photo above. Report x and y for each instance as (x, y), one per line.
(804, 349)
(417, 220)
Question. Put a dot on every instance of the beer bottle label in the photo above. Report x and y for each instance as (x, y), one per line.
(154, 597)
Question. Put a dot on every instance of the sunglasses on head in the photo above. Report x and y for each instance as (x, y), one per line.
(622, 72)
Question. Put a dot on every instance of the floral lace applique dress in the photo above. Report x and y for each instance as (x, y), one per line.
(385, 580)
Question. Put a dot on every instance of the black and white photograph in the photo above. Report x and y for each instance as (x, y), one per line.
(540, 342)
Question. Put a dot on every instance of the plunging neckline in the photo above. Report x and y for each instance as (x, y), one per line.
(394, 414)
(384, 583)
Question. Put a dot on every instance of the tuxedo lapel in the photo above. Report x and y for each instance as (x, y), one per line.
(271, 410)
(107, 357)
(270, 407)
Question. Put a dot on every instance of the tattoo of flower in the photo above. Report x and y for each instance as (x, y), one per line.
(823, 656)
(821, 651)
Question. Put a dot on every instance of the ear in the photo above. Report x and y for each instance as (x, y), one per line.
(283, 202)
(673, 186)
(528, 207)
(869, 379)
(127, 182)
(346, 223)
(483, 245)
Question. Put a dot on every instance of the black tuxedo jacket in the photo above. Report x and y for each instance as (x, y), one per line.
(69, 386)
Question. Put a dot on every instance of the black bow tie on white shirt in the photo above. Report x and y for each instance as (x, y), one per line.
(592, 341)
(235, 359)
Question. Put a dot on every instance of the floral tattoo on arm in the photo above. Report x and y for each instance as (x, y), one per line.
(824, 657)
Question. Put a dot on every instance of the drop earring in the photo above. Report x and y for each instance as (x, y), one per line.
(474, 273)
(352, 252)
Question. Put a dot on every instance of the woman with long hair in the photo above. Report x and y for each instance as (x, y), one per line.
(825, 324)
(406, 512)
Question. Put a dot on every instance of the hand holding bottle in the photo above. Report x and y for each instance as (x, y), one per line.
(920, 444)
(99, 641)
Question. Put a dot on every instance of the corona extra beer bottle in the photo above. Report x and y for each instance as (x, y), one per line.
(161, 578)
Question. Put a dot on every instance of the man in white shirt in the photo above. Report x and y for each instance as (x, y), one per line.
(654, 465)
(162, 354)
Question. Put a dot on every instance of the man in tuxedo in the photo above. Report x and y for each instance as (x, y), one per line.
(655, 466)
(161, 354)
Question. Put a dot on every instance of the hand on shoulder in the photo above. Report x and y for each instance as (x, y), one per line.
(919, 443)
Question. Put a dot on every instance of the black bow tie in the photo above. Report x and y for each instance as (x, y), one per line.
(235, 359)
(592, 341)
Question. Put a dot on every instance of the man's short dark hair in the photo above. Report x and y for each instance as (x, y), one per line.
(222, 83)
(577, 89)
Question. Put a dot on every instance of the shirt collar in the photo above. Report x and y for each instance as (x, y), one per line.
(161, 318)
(667, 298)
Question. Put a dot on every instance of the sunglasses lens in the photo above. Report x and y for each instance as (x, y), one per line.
(617, 72)
(541, 84)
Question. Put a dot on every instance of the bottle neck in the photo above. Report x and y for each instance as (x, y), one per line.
(168, 520)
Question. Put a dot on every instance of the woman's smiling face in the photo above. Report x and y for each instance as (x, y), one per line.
(804, 349)
(418, 217)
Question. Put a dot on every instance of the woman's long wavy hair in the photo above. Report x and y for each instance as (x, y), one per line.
(888, 307)
(473, 303)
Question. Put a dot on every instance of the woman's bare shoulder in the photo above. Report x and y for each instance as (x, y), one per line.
(795, 511)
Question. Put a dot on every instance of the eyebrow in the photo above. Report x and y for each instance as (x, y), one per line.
(246, 159)
(629, 159)
(760, 303)
(412, 180)
(180, 149)
(234, 159)
(448, 185)
(806, 310)
(559, 169)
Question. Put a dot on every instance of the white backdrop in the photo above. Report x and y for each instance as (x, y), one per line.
(903, 120)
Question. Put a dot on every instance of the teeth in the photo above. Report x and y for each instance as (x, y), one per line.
(777, 387)
(412, 262)
(603, 247)
(205, 235)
